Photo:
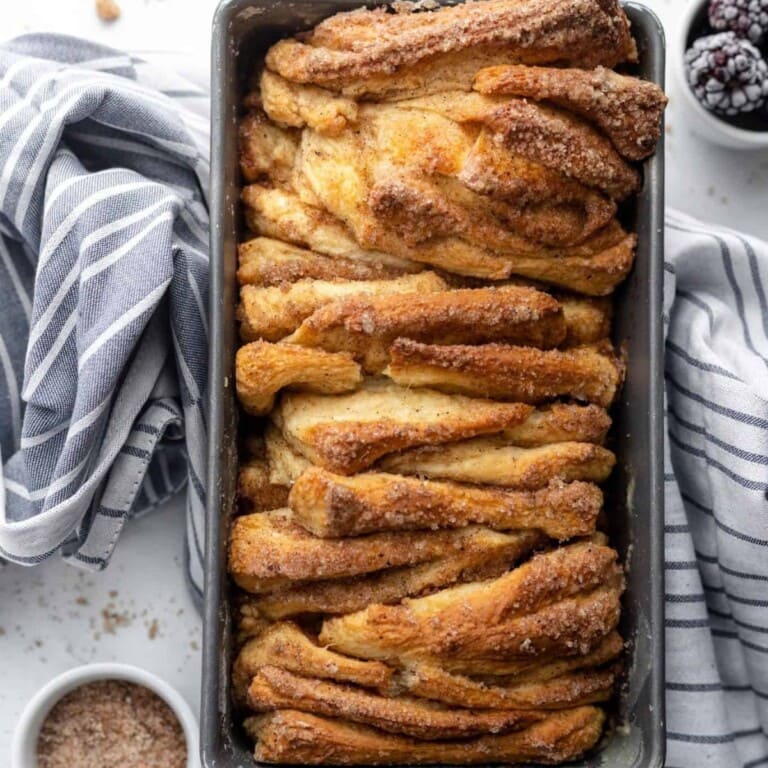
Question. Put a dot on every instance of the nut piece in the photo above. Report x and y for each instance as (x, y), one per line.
(107, 10)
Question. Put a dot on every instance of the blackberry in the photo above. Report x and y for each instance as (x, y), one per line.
(727, 74)
(747, 18)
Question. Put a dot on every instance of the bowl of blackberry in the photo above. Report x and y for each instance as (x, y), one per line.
(722, 65)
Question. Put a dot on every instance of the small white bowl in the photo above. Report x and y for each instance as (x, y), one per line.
(24, 750)
(701, 120)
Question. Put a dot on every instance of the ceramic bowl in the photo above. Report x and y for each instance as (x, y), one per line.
(24, 750)
(703, 122)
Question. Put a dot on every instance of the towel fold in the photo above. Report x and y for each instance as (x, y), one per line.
(103, 299)
(103, 289)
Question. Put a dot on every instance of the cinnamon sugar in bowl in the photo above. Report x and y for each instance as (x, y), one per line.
(111, 722)
(106, 714)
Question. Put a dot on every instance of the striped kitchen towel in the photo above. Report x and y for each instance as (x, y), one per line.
(103, 297)
(716, 509)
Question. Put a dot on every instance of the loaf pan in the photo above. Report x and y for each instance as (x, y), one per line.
(242, 32)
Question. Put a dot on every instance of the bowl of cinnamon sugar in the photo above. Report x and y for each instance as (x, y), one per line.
(103, 715)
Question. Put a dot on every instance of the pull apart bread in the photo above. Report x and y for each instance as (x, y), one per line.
(427, 371)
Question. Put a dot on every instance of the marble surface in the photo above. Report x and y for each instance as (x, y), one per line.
(138, 611)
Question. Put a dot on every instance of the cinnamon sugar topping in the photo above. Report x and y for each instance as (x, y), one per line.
(111, 723)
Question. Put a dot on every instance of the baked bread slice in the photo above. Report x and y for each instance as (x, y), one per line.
(347, 434)
(375, 54)
(268, 550)
(272, 313)
(573, 689)
(267, 262)
(484, 554)
(274, 689)
(628, 110)
(495, 461)
(286, 646)
(330, 505)
(288, 736)
(594, 267)
(263, 369)
(564, 601)
(591, 374)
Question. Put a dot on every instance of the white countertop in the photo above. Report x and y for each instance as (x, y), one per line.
(138, 611)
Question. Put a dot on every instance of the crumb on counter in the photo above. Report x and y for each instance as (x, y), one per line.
(111, 620)
(107, 10)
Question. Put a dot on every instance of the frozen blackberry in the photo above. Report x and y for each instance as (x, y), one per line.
(747, 18)
(727, 73)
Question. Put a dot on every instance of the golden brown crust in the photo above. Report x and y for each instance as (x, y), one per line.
(403, 198)
(552, 223)
(265, 149)
(492, 169)
(521, 374)
(507, 672)
(294, 105)
(255, 491)
(268, 550)
(441, 222)
(418, 210)
(296, 738)
(588, 321)
(274, 689)
(378, 144)
(267, 262)
(366, 326)
(272, 313)
(595, 267)
(280, 214)
(263, 369)
(330, 505)
(398, 182)
(628, 110)
(485, 555)
(360, 52)
(406, 209)
(595, 274)
(569, 690)
(348, 433)
(545, 135)
(563, 601)
(493, 461)
(566, 144)
(561, 423)
(286, 646)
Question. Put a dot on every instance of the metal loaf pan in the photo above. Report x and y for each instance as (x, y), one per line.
(242, 32)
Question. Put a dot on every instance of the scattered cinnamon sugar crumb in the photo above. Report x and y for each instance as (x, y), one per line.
(111, 620)
(111, 723)
(152, 631)
(107, 10)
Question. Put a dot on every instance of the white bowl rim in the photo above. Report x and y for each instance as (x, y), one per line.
(37, 708)
(734, 135)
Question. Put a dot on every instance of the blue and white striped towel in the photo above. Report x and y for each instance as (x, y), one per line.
(716, 529)
(103, 297)
(102, 194)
